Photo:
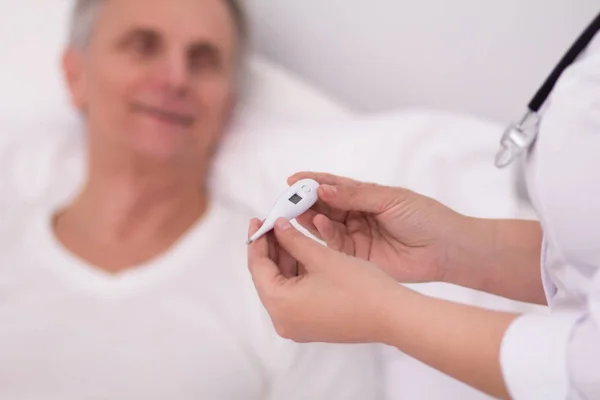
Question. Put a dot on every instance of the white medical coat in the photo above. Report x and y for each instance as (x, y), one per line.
(557, 356)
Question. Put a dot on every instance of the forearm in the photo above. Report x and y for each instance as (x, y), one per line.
(460, 341)
(501, 257)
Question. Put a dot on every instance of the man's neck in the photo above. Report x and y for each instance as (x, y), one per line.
(137, 203)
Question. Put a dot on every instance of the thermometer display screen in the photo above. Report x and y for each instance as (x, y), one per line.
(295, 199)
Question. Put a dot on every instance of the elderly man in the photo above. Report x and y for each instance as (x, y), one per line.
(138, 287)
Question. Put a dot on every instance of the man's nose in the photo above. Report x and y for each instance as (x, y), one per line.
(176, 74)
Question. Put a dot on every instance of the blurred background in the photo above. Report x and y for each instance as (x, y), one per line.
(481, 57)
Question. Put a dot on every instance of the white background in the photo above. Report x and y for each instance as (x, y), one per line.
(483, 57)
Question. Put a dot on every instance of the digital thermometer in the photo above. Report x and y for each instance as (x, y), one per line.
(295, 201)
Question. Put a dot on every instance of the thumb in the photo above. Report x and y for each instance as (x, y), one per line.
(302, 248)
(265, 273)
(369, 198)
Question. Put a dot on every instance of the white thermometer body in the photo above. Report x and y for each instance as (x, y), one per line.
(292, 203)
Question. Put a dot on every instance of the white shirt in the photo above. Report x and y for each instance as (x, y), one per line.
(187, 325)
(558, 356)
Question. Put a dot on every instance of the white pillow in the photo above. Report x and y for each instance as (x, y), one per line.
(444, 155)
(273, 92)
(32, 36)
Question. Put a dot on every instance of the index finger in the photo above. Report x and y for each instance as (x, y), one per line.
(323, 179)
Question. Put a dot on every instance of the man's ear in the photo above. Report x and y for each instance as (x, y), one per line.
(74, 75)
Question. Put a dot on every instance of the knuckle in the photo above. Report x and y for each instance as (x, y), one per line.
(273, 300)
(336, 240)
(283, 331)
(278, 306)
(354, 189)
(298, 240)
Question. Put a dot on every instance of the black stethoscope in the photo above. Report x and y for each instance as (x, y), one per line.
(519, 136)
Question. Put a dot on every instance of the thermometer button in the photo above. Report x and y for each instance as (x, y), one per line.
(306, 189)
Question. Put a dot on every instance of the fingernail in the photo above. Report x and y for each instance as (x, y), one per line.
(283, 224)
(327, 189)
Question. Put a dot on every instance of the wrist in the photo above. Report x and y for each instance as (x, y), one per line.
(391, 316)
(496, 256)
(468, 247)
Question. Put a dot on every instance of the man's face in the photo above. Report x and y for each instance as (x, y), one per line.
(157, 77)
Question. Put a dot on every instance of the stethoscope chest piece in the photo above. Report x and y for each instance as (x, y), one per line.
(517, 138)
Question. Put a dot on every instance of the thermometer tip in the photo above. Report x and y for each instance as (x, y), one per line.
(249, 242)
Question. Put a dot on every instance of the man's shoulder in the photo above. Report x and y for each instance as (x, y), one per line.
(16, 230)
(37, 165)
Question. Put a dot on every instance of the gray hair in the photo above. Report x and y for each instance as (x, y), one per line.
(86, 12)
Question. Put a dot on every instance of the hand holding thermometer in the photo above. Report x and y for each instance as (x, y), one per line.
(295, 201)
